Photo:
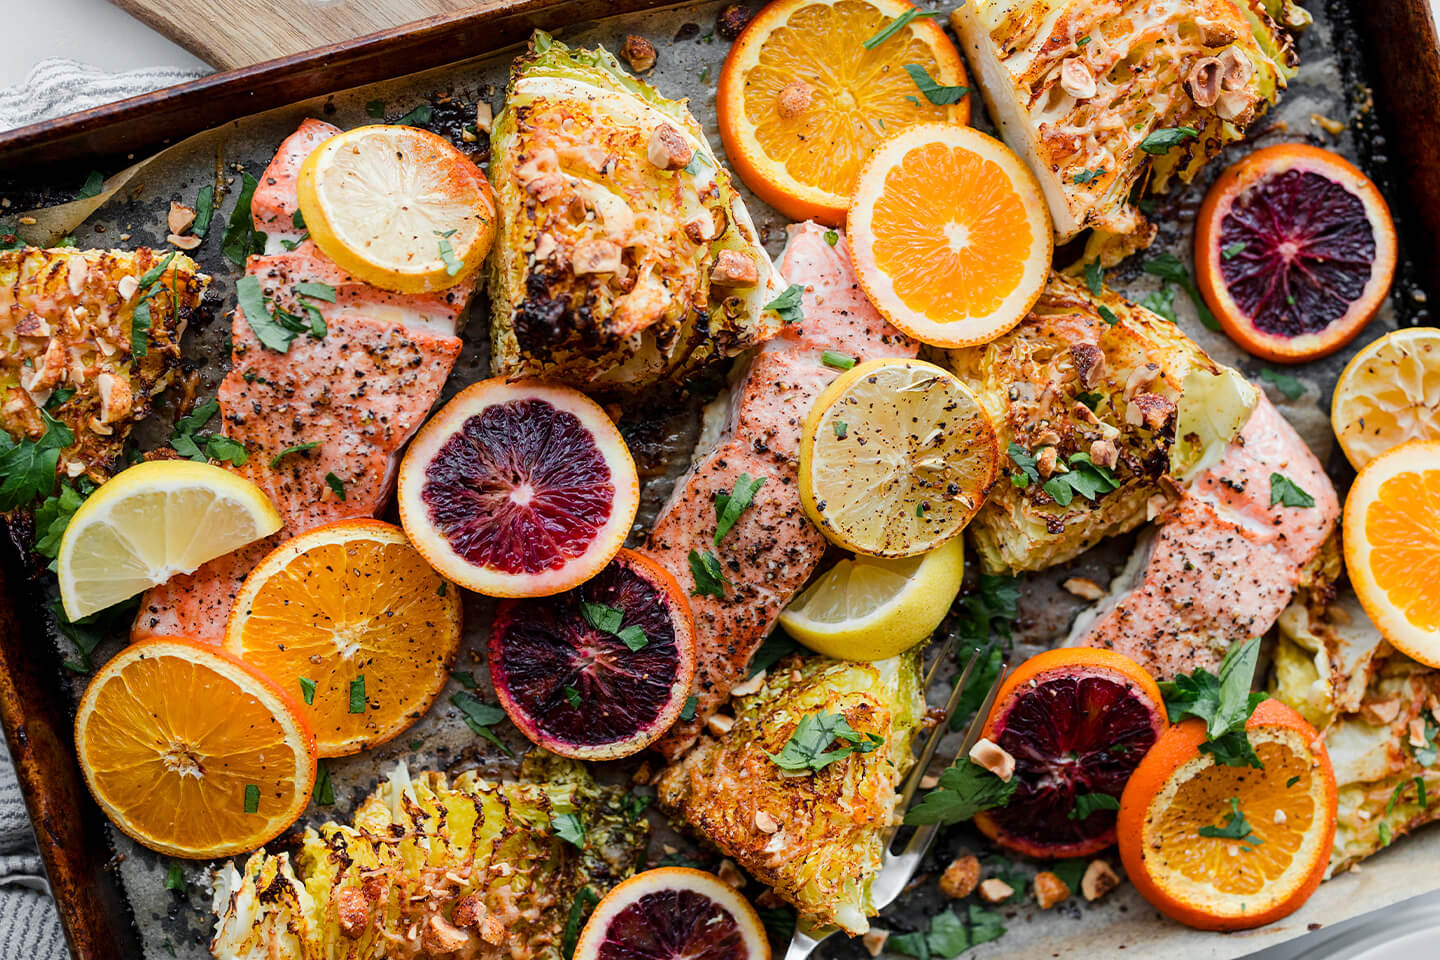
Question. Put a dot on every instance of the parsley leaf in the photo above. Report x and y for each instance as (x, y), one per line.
(832, 237)
(175, 878)
(607, 619)
(307, 690)
(357, 695)
(580, 909)
(1427, 755)
(1161, 302)
(224, 448)
(936, 93)
(964, 790)
(447, 253)
(1088, 803)
(729, 506)
(896, 25)
(315, 290)
(808, 749)
(1167, 266)
(27, 468)
(1224, 702)
(1088, 176)
(841, 428)
(252, 798)
(572, 697)
(1085, 477)
(978, 687)
(419, 117)
(480, 716)
(569, 826)
(1090, 399)
(336, 485)
(271, 332)
(1420, 796)
(787, 305)
(1023, 459)
(1284, 382)
(204, 211)
(1285, 491)
(1164, 140)
(92, 186)
(1095, 277)
(989, 610)
(776, 647)
(324, 792)
(1236, 827)
(709, 576)
(241, 238)
(1071, 871)
(375, 108)
(1233, 250)
(295, 448)
(1107, 314)
(52, 517)
(687, 712)
(837, 360)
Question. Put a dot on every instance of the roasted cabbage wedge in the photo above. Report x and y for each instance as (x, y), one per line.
(471, 868)
(1379, 711)
(1136, 395)
(625, 256)
(816, 839)
(70, 345)
(1077, 87)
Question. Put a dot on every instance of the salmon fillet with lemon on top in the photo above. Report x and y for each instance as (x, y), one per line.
(325, 419)
(773, 548)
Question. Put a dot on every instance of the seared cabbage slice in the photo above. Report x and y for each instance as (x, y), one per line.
(815, 838)
(1136, 390)
(1377, 709)
(1127, 72)
(602, 272)
(473, 866)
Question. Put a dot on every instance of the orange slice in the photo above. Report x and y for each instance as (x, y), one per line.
(673, 913)
(190, 752)
(950, 234)
(1269, 831)
(1392, 546)
(802, 103)
(351, 620)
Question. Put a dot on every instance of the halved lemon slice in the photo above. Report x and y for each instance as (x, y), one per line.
(895, 458)
(1388, 393)
(1392, 546)
(802, 102)
(398, 207)
(152, 521)
(950, 234)
(869, 609)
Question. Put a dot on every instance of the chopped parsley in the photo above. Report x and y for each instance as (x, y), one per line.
(837, 360)
(447, 253)
(936, 93)
(841, 428)
(241, 238)
(1091, 399)
(569, 826)
(580, 909)
(315, 291)
(1287, 384)
(1095, 277)
(1089, 176)
(1107, 314)
(1164, 140)
(293, 448)
(572, 696)
(729, 506)
(419, 117)
(1083, 40)
(787, 305)
(27, 468)
(375, 108)
(52, 516)
(776, 647)
(948, 936)
(1088, 803)
(92, 186)
(709, 576)
(1235, 827)
(175, 878)
(275, 331)
(336, 485)
(1224, 702)
(1085, 477)
(1287, 492)
(1023, 459)
(307, 690)
(140, 316)
(965, 789)
(1420, 796)
(204, 211)
(1169, 267)
(896, 25)
(1426, 755)
(687, 712)
(465, 678)
(1233, 250)
(357, 694)
(324, 793)
(252, 798)
(480, 716)
(609, 620)
(808, 749)
(832, 237)
(1161, 302)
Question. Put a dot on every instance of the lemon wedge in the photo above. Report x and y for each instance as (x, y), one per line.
(1387, 394)
(152, 521)
(895, 458)
(869, 609)
(398, 207)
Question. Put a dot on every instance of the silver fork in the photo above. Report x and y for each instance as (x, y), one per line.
(896, 869)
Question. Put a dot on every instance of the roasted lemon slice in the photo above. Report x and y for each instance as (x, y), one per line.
(1388, 394)
(398, 207)
(895, 458)
(152, 521)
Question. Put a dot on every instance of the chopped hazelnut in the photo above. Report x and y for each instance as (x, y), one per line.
(734, 269)
(730, 874)
(186, 242)
(668, 149)
(1417, 732)
(469, 911)
(1045, 460)
(1104, 453)
(1203, 82)
(961, 877)
(995, 890)
(1050, 889)
(1237, 106)
(127, 287)
(1083, 587)
(1076, 79)
(1214, 33)
(180, 218)
(990, 755)
(1089, 363)
(1381, 712)
(700, 227)
(492, 931)
(1149, 410)
(929, 782)
(442, 937)
(638, 52)
(719, 724)
(352, 911)
(1099, 880)
(544, 246)
(116, 400)
(1140, 378)
(765, 823)
(595, 256)
(732, 21)
(750, 686)
(794, 99)
(1235, 69)
(874, 941)
(484, 116)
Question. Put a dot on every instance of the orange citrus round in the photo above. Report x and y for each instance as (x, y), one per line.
(1267, 833)
(673, 911)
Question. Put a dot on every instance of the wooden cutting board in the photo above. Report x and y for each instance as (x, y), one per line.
(240, 33)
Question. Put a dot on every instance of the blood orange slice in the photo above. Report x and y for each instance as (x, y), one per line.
(1294, 252)
(672, 913)
(1077, 721)
(600, 671)
(518, 489)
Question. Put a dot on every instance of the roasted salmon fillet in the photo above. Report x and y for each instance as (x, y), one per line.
(773, 548)
(1223, 564)
(90, 337)
(324, 420)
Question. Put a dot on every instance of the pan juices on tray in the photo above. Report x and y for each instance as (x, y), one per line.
(625, 256)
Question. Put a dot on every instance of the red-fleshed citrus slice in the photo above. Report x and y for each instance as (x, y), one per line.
(600, 671)
(673, 913)
(1077, 721)
(518, 489)
(1294, 252)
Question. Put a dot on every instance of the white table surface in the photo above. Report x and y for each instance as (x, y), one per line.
(96, 33)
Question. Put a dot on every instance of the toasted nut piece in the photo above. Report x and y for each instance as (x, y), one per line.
(484, 116)
(469, 911)
(186, 242)
(794, 99)
(127, 287)
(638, 52)
(1203, 83)
(1076, 79)
(1083, 587)
(180, 218)
(352, 911)
(929, 782)
(765, 823)
(995, 890)
(1235, 70)
(1050, 889)
(750, 686)
(595, 256)
(731, 23)
(1085, 415)
(1215, 34)
(1237, 106)
(961, 877)
(1417, 732)
(1104, 453)
(1150, 410)
(544, 246)
(769, 900)
(730, 874)
(1140, 378)
(1099, 880)
(719, 724)
(734, 269)
(668, 149)
(700, 227)
(492, 931)
(993, 757)
(1045, 460)
(116, 399)
(1089, 363)
(442, 937)
(1381, 712)
(874, 940)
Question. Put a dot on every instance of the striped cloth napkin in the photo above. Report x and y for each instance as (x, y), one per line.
(57, 86)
